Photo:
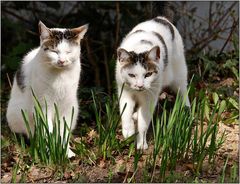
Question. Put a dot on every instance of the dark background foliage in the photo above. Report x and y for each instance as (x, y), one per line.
(108, 23)
(106, 27)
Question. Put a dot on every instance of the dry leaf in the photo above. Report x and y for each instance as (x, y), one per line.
(189, 166)
(102, 164)
(227, 82)
(92, 134)
(6, 178)
(163, 96)
(67, 175)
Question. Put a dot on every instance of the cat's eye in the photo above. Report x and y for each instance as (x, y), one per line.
(148, 74)
(55, 51)
(51, 50)
(131, 75)
(68, 52)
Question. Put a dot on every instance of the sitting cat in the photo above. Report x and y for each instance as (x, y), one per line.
(52, 70)
(150, 57)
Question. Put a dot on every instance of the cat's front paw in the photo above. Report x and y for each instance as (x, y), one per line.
(128, 132)
(142, 146)
(70, 154)
(135, 116)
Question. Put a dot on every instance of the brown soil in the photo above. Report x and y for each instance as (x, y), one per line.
(122, 169)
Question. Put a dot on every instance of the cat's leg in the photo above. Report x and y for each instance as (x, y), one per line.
(128, 128)
(73, 125)
(50, 115)
(145, 112)
(47, 109)
(71, 122)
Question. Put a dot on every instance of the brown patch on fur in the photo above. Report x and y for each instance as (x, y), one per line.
(126, 63)
(50, 43)
(141, 58)
(72, 35)
(57, 36)
(51, 37)
(151, 66)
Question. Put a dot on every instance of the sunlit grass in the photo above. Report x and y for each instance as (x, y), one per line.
(186, 134)
(45, 146)
(107, 121)
(181, 134)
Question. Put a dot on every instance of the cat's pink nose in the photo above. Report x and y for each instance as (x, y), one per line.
(140, 86)
(61, 62)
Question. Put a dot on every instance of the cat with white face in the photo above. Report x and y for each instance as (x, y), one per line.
(53, 71)
(149, 58)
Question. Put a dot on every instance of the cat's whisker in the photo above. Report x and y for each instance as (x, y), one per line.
(151, 92)
(156, 83)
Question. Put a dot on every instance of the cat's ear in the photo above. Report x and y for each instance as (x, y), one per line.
(44, 31)
(122, 55)
(154, 54)
(80, 32)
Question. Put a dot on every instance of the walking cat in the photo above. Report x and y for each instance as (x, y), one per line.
(150, 57)
(52, 70)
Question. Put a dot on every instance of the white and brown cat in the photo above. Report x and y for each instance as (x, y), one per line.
(150, 57)
(52, 70)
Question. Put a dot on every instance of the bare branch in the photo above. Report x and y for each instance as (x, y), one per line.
(235, 23)
(93, 63)
(117, 20)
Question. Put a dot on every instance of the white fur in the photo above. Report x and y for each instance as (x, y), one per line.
(174, 75)
(51, 82)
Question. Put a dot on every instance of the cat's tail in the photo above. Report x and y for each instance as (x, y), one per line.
(166, 9)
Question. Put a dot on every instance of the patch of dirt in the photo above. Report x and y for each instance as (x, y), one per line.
(230, 146)
(123, 167)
